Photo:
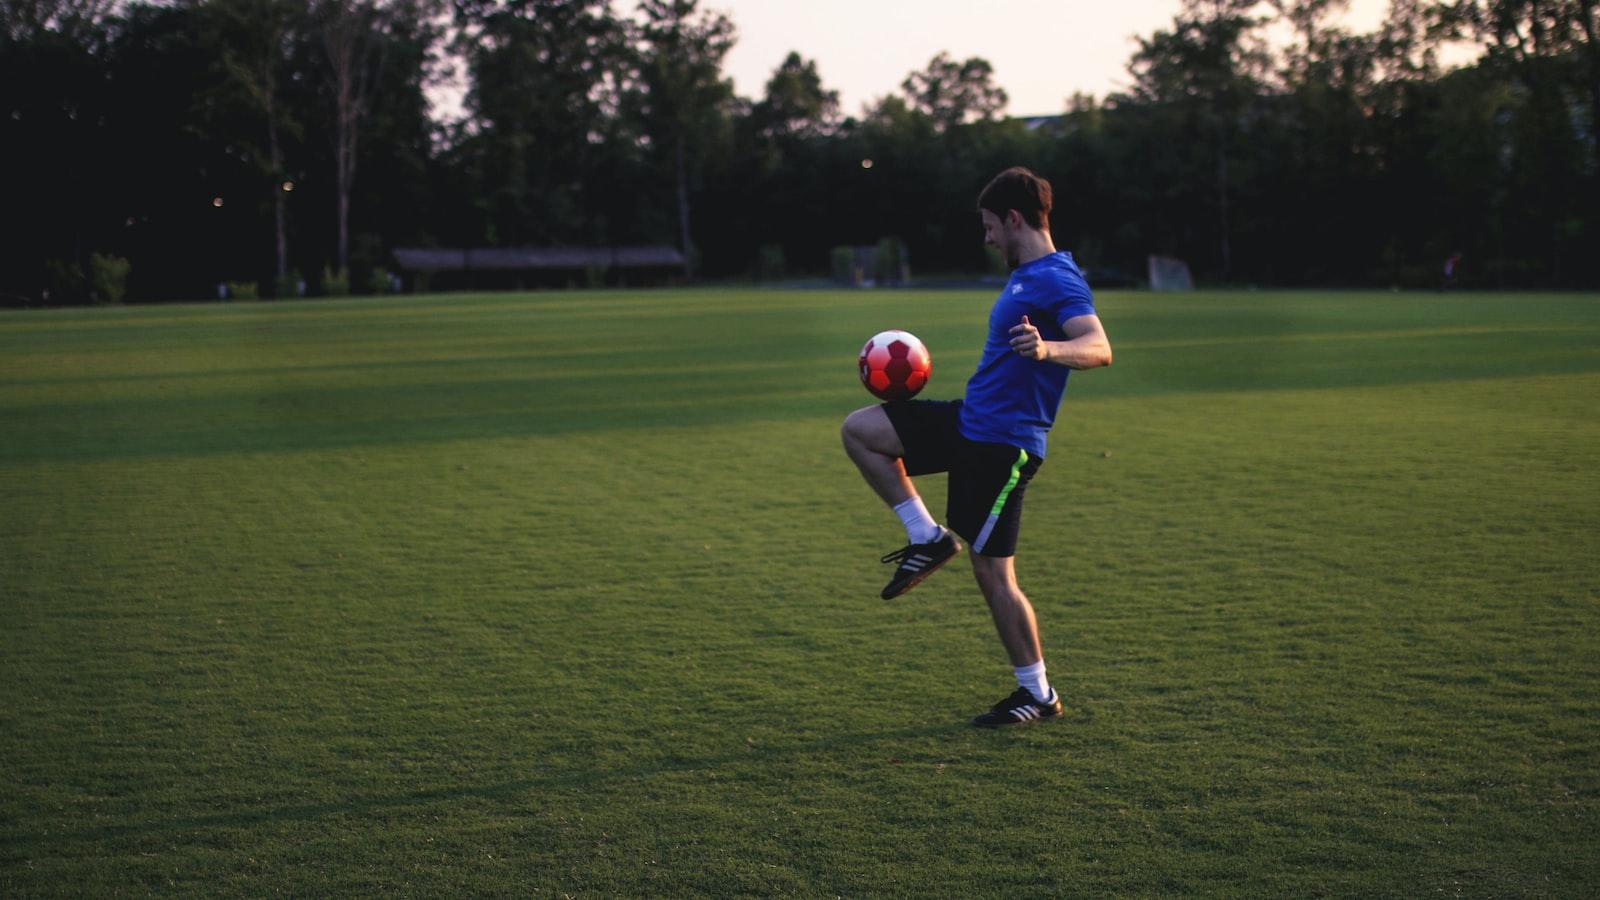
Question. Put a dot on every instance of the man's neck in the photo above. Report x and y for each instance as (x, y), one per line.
(1035, 244)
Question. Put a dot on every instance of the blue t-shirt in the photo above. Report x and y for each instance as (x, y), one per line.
(1012, 400)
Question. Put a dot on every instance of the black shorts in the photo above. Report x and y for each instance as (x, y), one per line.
(987, 481)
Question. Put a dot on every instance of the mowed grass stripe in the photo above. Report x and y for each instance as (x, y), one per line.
(1325, 624)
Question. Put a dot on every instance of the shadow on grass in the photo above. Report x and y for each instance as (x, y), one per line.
(313, 419)
(499, 791)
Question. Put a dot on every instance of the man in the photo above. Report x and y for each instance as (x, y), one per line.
(1042, 326)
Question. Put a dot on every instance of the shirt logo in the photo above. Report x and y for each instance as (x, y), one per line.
(1016, 289)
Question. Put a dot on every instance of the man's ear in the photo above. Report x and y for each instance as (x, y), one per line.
(1014, 219)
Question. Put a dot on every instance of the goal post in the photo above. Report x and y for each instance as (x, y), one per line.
(1170, 274)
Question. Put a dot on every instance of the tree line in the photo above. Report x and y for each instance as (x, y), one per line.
(156, 150)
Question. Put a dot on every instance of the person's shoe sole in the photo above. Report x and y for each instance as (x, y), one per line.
(921, 576)
(1031, 713)
(1053, 717)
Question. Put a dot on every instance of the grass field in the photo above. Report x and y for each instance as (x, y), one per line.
(576, 594)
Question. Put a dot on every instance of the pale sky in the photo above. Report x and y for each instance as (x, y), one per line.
(1042, 50)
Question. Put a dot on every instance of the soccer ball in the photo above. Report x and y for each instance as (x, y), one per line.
(895, 365)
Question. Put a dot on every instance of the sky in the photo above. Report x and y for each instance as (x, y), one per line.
(1042, 51)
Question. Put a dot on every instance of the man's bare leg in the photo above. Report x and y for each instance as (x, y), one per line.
(872, 444)
(1009, 607)
(1034, 699)
(875, 447)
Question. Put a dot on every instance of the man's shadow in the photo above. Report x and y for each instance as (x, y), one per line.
(360, 806)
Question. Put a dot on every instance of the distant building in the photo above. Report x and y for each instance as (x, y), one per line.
(1034, 123)
(515, 267)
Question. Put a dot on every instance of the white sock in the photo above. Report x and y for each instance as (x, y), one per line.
(1032, 678)
(920, 527)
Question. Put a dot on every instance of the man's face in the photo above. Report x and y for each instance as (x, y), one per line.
(999, 233)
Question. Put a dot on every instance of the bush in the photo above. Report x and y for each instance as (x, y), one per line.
(366, 257)
(842, 265)
(770, 262)
(378, 282)
(108, 278)
(893, 264)
(335, 284)
(243, 290)
(290, 285)
(64, 282)
(997, 261)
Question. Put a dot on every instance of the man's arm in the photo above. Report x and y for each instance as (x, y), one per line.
(1086, 346)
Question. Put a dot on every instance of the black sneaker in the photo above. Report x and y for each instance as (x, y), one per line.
(918, 561)
(1019, 709)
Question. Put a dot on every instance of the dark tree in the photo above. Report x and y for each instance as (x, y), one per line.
(1201, 77)
(682, 101)
(952, 93)
(256, 43)
(544, 76)
(796, 104)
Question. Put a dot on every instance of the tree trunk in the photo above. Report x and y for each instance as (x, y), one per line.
(683, 210)
(279, 202)
(1591, 52)
(353, 39)
(348, 47)
(1225, 245)
(344, 222)
(344, 163)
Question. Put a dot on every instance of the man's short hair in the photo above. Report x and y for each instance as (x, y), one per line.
(1019, 189)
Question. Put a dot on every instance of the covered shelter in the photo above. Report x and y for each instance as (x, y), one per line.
(428, 268)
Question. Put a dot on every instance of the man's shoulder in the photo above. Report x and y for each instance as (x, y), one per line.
(1062, 265)
(1060, 279)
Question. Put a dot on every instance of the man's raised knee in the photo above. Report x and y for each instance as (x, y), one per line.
(870, 429)
(849, 430)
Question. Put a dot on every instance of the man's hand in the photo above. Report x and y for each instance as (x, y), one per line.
(1025, 341)
(1086, 346)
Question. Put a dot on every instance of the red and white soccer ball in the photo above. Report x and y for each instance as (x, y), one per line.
(895, 365)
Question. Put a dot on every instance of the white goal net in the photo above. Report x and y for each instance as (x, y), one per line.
(1169, 274)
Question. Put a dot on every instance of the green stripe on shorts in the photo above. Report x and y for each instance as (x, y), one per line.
(1016, 475)
(1000, 502)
